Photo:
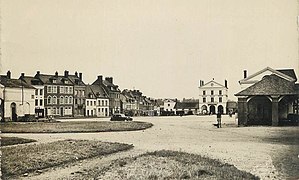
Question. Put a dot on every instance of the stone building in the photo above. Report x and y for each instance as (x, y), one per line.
(268, 97)
(212, 97)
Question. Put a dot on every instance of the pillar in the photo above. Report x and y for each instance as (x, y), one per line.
(274, 110)
(242, 111)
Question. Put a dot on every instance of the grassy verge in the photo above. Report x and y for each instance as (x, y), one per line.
(166, 165)
(7, 141)
(35, 157)
(72, 127)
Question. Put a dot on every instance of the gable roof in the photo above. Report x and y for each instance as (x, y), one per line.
(269, 85)
(14, 83)
(97, 91)
(213, 81)
(46, 79)
(288, 72)
(278, 73)
(76, 80)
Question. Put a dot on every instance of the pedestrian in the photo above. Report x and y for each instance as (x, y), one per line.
(219, 119)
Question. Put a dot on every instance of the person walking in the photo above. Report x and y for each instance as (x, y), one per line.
(219, 119)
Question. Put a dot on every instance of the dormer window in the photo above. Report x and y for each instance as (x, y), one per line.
(66, 81)
(54, 81)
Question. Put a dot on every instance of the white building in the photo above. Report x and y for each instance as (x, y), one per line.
(169, 106)
(97, 101)
(212, 97)
(18, 98)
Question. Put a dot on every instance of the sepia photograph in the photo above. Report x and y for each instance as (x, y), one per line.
(149, 90)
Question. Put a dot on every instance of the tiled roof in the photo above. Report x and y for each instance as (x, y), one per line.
(46, 79)
(14, 83)
(96, 90)
(288, 72)
(269, 85)
(186, 105)
(76, 80)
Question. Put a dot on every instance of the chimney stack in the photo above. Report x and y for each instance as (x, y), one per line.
(8, 75)
(109, 79)
(66, 74)
(76, 74)
(245, 74)
(225, 83)
(37, 73)
(100, 79)
(80, 76)
(56, 74)
(22, 75)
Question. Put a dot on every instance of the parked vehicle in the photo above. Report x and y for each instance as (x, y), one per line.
(120, 117)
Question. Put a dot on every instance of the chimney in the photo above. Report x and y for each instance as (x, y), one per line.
(8, 75)
(100, 79)
(37, 73)
(76, 74)
(245, 74)
(109, 79)
(225, 83)
(80, 76)
(22, 75)
(66, 74)
(56, 74)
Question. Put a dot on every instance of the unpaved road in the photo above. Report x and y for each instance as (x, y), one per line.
(269, 152)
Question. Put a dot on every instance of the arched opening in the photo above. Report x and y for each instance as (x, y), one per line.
(220, 109)
(259, 111)
(204, 109)
(14, 115)
(212, 109)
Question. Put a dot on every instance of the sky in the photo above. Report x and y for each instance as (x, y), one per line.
(163, 48)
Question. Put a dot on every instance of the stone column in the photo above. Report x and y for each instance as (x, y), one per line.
(275, 110)
(242, 111)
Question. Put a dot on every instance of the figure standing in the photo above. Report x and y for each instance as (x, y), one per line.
(219, 119)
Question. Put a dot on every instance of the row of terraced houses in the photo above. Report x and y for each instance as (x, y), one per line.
(67, 95)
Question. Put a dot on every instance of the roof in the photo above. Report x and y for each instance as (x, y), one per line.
(97, 91)
(288, 72)
(269, 85)
(76, 80)
(31, 80)
(109, 87)
(46, 79)
(186, 105)
(14, 83)
(213, 81)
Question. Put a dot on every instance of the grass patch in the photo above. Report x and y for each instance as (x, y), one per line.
(7, 141)
(166, 165)
(72, 127)
(31, 158)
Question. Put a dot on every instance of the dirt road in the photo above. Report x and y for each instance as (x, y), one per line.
(252, 149)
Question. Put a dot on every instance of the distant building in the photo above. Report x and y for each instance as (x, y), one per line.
(79, 93)
(187, 107)
(58, 94)
(268, 97)
(39, 94)
(17, 99)
(112, 91)
(97, 101)
(231, 106)
(169, 107)
(212, 97)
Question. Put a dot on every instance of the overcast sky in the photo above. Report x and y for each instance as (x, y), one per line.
(162, 47)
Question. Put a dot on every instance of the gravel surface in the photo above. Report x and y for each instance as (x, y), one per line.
(251, 149)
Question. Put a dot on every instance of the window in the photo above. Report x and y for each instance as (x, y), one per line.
(54, 100)
(220, 99)
(61, 89)
(36, 102)
(204, 100)
(71, 90)
(76, 101)
(49, 89)
(49, 100)
(36, 92)
(66, 99)
(32, 96)
(41, 92)
(54, 89)
(71, 100)
(212, 99)
(91, 103)
(82, 93)
(220, 92)
(61, 100)
(203, 92)
(106, 102)
(168, 104)
(66, 89)
(212, 92)
(76, 92)
(41, 102)
(87, 102)
(99, 102)
(54, 81)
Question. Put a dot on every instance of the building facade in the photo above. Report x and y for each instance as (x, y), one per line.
(97, 101)
(212, 97)
(18, 100)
